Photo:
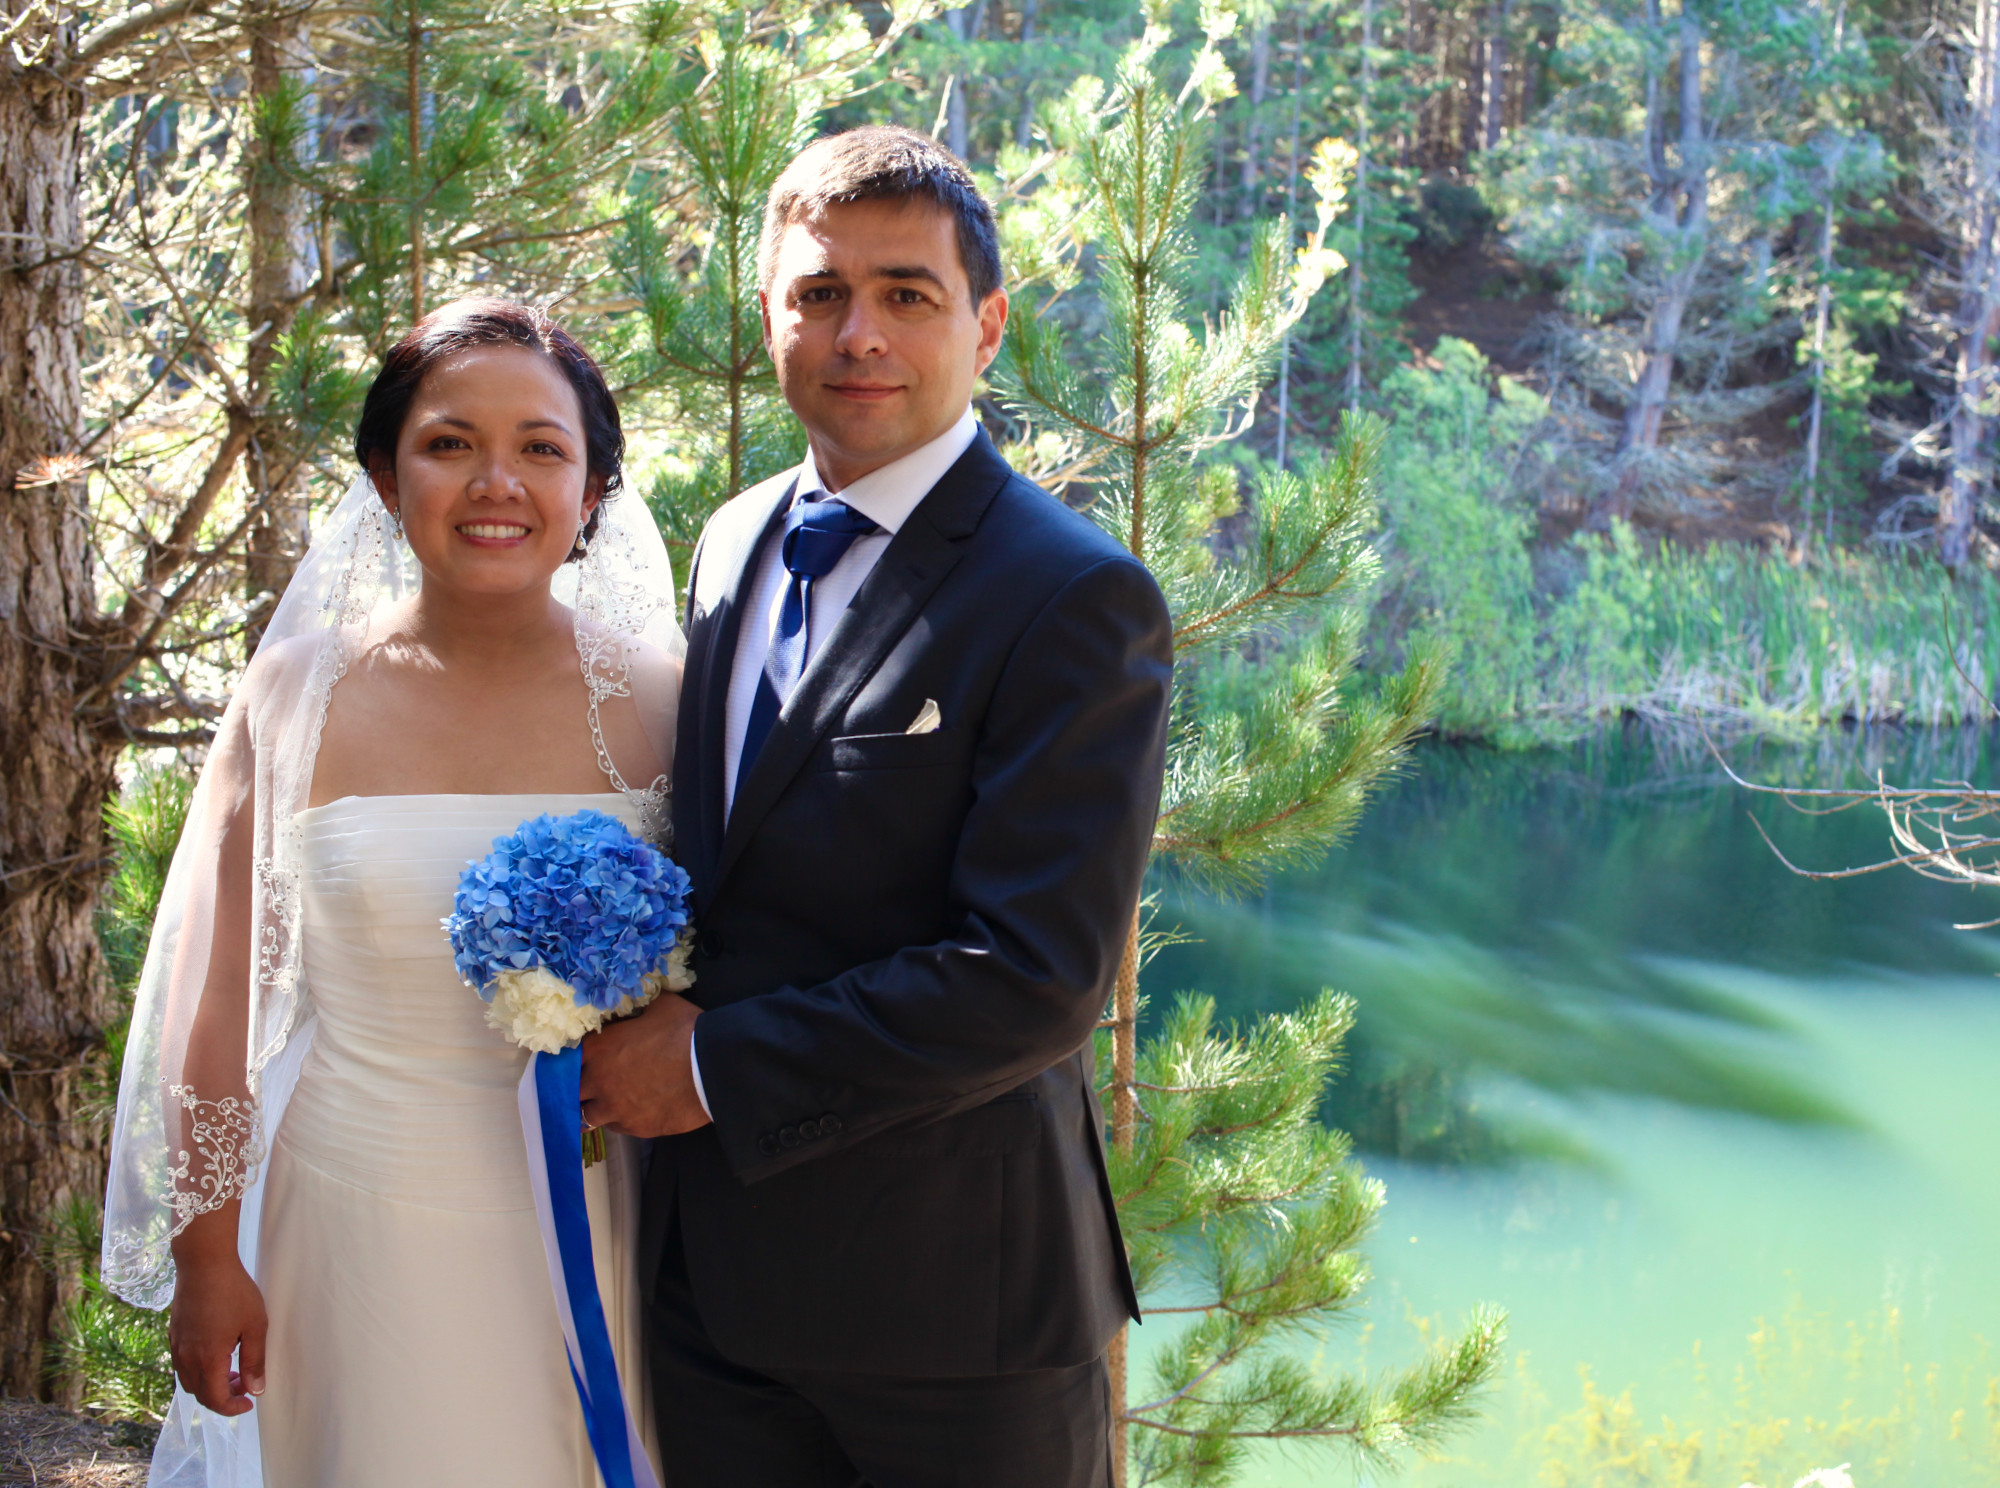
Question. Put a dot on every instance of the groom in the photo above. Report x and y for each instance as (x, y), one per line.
(921, 736)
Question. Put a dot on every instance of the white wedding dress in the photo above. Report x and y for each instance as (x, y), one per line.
(413, 1331)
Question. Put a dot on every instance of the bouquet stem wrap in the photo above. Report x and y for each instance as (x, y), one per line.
(553, 1127)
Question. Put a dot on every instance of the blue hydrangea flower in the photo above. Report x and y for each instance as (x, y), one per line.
(579, 895)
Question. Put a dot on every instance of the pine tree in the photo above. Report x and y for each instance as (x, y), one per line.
(1666, 236)
(1229, 1189)
(501, 143)
(695, 346)
(116, 1352)
(1958, 169)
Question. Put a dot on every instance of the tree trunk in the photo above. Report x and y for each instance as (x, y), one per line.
(1493, 86)
(1025, 125)
(280, 272)
(1539, 86)
(413, 81)
(1971, 467)
(1357, 271)
(1822, 306)
(955, 122)
(1679, 208)
(1124, 1128)
(1291, 216)
(1412, 130)
(1251, 182)
(55, 770)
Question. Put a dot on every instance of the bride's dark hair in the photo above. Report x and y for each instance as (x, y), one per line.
(491, 322)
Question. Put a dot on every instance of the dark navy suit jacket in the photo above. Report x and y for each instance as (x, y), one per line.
(906, 940)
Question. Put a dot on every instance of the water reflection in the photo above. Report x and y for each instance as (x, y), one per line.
(1550, 920)
(1769, 1246)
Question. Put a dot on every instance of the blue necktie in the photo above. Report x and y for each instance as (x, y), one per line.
(817, 535)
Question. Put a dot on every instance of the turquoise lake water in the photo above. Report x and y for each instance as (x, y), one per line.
(1725, 1142)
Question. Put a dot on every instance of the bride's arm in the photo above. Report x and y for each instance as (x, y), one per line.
(217, 1307)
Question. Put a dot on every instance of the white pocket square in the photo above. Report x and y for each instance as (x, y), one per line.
(928, 718)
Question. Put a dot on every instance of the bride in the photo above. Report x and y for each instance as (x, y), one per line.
(318, 1154)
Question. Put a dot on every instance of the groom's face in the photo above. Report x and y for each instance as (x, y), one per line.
(877, 341)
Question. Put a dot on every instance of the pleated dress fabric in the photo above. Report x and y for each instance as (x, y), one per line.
(413, 1330)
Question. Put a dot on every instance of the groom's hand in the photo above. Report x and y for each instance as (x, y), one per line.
(638, 1073)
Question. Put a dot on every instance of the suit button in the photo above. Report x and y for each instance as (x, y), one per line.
(788, 1137)
(768, 1145)
(708, 943)
(809, 1130)
(829, 1125)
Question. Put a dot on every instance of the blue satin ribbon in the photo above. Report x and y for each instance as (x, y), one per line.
(596, 1373)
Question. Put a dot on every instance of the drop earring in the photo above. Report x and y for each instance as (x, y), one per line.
(396, 517)
(582, 547)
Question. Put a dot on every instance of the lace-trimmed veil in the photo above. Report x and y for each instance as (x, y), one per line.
(185, 1144)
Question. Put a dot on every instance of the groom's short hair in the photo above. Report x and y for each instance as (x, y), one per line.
(881, 162)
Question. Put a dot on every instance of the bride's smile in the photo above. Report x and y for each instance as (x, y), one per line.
(491, 476)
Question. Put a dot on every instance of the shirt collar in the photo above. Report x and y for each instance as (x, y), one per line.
(887, 496)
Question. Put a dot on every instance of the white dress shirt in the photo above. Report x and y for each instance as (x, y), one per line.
(886, 497)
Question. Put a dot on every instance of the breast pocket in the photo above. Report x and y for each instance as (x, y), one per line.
(894, 751)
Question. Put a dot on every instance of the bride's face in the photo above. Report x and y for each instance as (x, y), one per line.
(491, 476)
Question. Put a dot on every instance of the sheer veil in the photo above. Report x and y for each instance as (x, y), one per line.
(186, 1140)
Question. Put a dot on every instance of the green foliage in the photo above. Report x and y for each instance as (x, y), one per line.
(1374, 231)
(145, 823)
(528, 124)
(118, 1351)
(1864, 303)
(1602, 626)
(1231, 1150)
(1229, 1186)
(1809, 1394)
(1270, 782)
(1773, 641)
(698, 333)
(1661, 189)
(1458, 530)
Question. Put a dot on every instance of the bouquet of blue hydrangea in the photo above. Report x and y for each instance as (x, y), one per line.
(569, 922)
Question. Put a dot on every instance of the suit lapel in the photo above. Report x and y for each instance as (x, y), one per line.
(909, 571)
(704, 727)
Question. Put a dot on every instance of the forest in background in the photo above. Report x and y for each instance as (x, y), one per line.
(1683, 318)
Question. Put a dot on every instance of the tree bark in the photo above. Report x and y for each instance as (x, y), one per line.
(55, 769)
(280, 272)
(1971, 468)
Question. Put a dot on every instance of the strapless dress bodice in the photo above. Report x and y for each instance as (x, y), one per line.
(406, 1090)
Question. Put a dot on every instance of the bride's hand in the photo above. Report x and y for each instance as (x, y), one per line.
(217, 1310)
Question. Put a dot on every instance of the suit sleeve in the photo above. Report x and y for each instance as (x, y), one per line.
(1066, 789)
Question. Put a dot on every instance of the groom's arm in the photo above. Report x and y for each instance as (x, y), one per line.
(1066, 787)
